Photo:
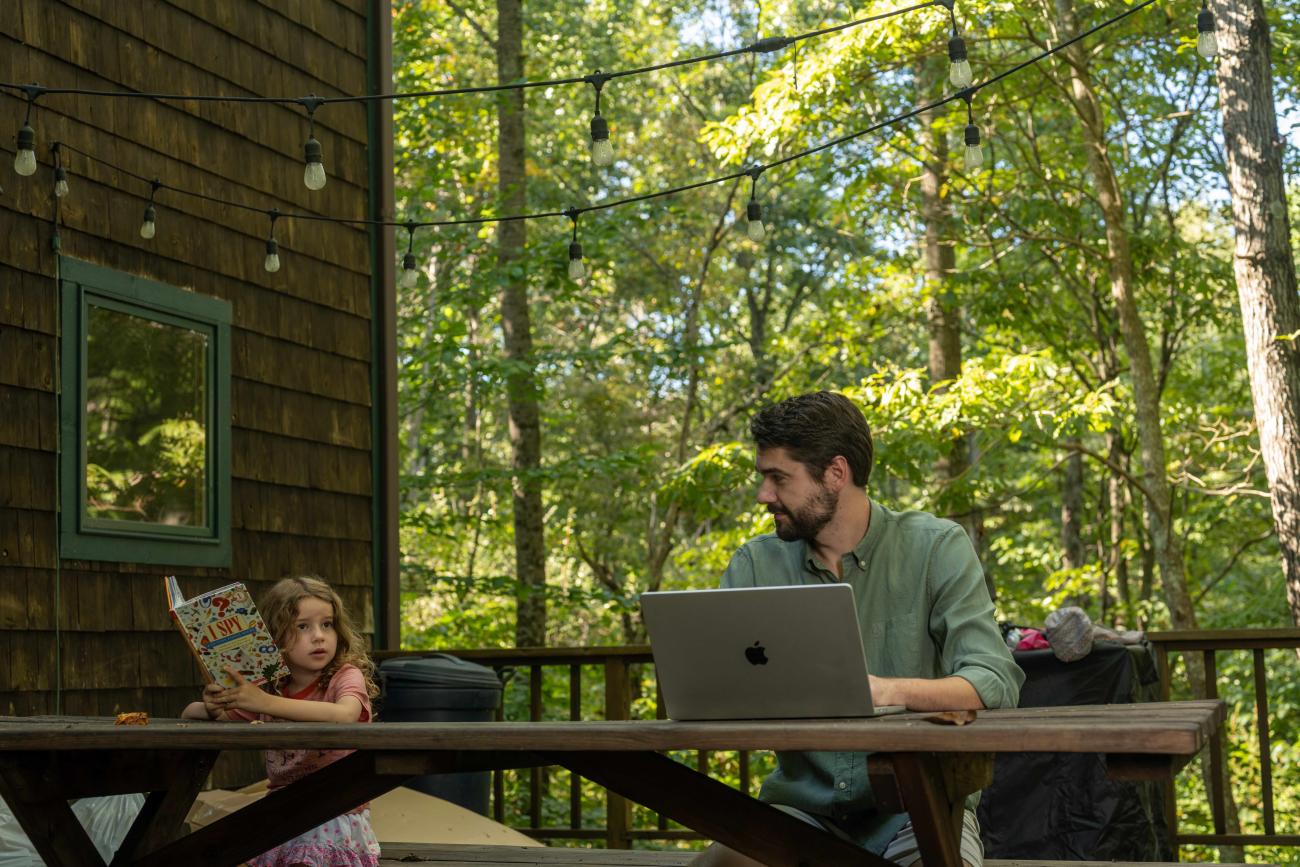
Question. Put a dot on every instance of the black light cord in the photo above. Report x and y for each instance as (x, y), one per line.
(768, 44)
(573, 212)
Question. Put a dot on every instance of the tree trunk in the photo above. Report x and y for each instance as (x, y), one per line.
(1116, 489)
(943, 313)
(1072, 522)
(1151, 444)
(1166, 545)
(1265, 269)
(521, 380)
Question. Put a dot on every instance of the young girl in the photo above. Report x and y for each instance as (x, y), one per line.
(331, 679)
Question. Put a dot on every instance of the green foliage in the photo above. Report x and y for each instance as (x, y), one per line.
(650, 369)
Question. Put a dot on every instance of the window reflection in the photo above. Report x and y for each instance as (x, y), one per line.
(146, 424)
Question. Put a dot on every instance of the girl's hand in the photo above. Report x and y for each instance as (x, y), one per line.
(242, 696)
(211, 701)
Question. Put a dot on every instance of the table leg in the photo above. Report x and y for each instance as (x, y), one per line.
(932, 789)
(46, 818)
(936, 821)
(164, 811)
(45, 780)
(281, 815)
(718, 811)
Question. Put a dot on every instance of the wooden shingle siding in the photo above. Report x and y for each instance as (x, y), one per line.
(95, 633)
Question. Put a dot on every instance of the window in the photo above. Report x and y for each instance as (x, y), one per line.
(145, 468)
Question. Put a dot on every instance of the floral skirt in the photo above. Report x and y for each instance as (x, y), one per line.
(345, 841)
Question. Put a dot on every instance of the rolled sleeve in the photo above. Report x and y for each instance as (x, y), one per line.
(963, 626)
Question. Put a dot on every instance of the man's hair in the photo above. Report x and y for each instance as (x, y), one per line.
(814, 428)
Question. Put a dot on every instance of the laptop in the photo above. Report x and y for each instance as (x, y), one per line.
(789, 652)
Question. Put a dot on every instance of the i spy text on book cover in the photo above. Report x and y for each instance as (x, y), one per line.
(223, 628)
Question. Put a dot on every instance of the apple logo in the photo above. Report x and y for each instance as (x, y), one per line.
(756, 655)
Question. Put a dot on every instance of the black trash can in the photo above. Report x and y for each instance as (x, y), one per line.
(442, 688)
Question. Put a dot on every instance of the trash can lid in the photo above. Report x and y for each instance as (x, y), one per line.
(438, 669)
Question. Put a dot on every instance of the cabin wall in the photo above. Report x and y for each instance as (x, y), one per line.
(83, 637)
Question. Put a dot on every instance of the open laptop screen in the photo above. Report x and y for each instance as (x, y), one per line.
(790, 652)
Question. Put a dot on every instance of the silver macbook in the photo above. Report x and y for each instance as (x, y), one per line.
(791, 652)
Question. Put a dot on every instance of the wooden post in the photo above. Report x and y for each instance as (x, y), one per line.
(1170, 792)
(575, 714)
(536, 785)
(1261, 723)
(498, 775)
(618, 706)
(1216, 749)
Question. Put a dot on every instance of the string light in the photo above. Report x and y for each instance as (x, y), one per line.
(25, 158)
(577, 270)
(755, 229)
(272, 261)
(1207, 43)
(959, 71)
(974, 156)
(314, 173)
(602, 152)
(754, 211)
(60, 174)
(767, 44)
(410, 274)
(148, 226)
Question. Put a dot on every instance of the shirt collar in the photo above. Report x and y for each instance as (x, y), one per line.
(861, 551)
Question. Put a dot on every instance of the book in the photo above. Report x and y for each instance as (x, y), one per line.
(223, 628)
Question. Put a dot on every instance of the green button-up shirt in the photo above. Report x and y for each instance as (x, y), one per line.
(924, 611)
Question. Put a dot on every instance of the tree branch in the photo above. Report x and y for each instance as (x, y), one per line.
(469, 19)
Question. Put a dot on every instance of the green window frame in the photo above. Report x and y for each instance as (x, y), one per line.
(83, 537)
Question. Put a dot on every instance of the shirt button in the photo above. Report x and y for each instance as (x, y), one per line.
(843, 785)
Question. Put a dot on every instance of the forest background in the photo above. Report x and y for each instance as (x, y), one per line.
(570, 444)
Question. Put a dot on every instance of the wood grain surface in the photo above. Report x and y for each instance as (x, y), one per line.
(1168, 728)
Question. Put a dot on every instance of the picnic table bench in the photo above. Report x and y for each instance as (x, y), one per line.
(916, 764)
(451, 855)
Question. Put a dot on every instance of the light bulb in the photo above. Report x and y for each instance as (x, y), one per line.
(754, 215)
(25, 159)
(410, 276)
(1207, 44)
(974, 157)
(602, 152)
(272, 263)
(147, 227)
(577, 270)
(314, 174)
(959, 72)
(60, 182)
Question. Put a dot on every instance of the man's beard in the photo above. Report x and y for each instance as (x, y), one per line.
(808, 520)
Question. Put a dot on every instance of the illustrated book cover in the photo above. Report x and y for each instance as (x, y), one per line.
(223, 628)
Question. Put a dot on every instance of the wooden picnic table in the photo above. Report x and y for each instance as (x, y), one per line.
(916, 764)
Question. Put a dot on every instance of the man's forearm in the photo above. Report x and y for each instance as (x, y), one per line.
(948, 693)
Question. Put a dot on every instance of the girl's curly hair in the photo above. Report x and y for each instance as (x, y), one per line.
(280, 608)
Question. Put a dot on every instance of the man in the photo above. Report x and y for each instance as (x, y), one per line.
(925, 613)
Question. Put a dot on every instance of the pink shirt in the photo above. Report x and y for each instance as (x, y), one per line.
(288, 766)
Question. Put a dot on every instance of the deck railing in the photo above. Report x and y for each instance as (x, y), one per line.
(619, 667)
(1209, 644)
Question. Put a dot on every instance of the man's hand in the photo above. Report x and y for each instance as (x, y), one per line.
(242, 696)
(914, 693)
(885, 691)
